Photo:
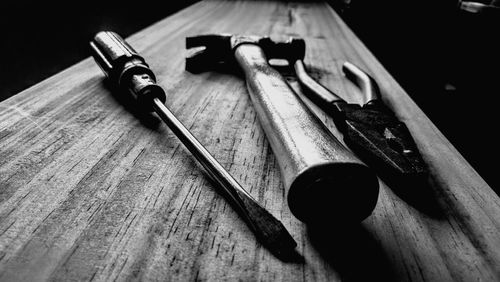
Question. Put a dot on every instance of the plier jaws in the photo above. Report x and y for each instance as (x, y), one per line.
(371, 129)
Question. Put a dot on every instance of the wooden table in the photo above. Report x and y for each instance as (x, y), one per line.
(91, 192)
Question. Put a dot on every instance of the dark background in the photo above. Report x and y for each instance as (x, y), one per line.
(448, 61)
(445, 58)
(39, 40)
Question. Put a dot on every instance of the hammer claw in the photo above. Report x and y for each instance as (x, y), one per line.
(196, 61)
(217, 48)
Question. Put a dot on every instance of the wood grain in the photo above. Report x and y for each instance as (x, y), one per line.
(91, 190)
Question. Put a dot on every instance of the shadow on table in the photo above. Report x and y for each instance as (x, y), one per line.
(418, 193)
(352, 252)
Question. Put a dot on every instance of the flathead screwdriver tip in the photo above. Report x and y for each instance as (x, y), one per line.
(269, 230)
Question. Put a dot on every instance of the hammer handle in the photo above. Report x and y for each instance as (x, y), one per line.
(321, 176)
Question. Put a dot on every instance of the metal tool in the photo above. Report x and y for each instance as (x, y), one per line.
(371, 130)
(129, 72)
(324, 180)
(478, 7)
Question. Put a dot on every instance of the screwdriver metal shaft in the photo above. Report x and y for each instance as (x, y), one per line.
(121, 63)
(267, 228)
(214, 169)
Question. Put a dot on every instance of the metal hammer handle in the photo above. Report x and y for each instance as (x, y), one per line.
(324, 180)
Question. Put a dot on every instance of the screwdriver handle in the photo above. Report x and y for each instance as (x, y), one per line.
(125, 68)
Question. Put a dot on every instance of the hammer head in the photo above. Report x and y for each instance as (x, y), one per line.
(218, 49)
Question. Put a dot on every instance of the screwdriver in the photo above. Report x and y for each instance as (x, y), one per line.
(129, 72)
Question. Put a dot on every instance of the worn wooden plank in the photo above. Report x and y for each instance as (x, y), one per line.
(91, 192)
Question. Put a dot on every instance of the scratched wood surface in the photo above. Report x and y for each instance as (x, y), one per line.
(91, 190)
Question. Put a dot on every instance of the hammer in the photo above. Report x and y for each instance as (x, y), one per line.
(323, 179)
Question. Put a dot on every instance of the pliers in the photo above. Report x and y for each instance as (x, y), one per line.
(371, 130)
